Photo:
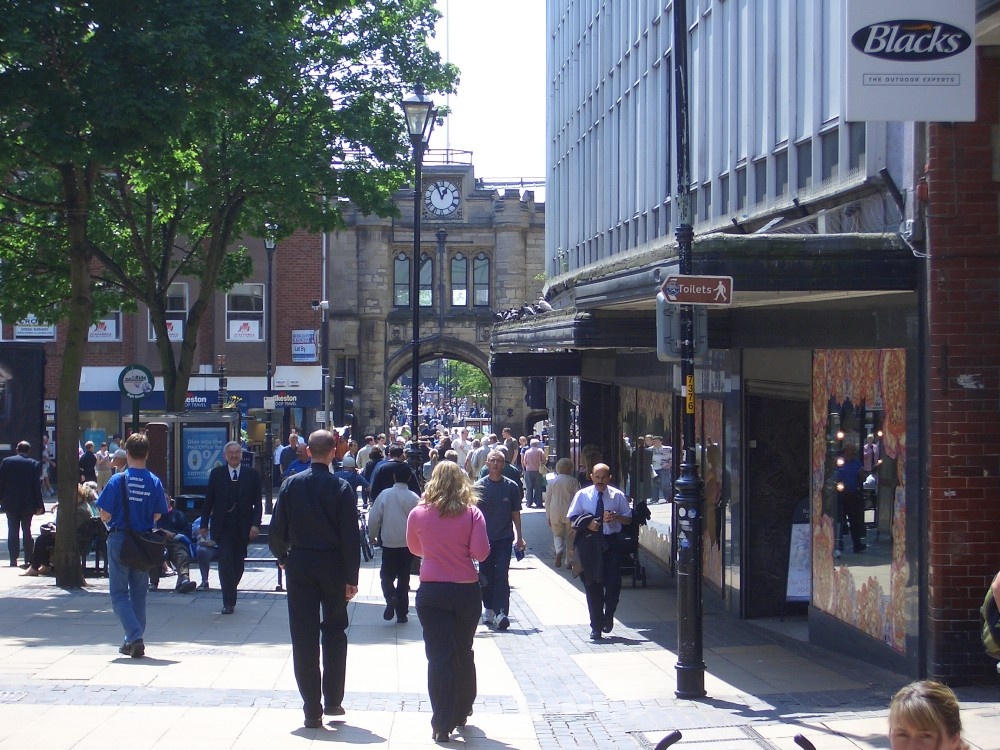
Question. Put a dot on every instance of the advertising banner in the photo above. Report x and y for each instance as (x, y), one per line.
(910, 61)
(201, 451)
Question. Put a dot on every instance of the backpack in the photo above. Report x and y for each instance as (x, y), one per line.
(991, 625)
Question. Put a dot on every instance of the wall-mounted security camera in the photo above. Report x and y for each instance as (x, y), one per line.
(315, 304)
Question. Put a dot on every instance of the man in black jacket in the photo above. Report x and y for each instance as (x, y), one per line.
(383, 476)
(21, 497)
(233, 504)
(315, 536)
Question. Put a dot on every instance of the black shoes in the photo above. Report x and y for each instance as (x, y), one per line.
(136, 649)
(401, 619)
(441, 737)
(312, 723)
(334, 711)
(153, 585)
(186, 586)
(609, 624)
(389, 613)
(595, 635)
(227, 610)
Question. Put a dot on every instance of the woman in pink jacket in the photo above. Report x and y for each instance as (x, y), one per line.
(448, 531)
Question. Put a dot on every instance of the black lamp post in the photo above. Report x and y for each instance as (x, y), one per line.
(420, 115)
(688, 499)
(269, 246)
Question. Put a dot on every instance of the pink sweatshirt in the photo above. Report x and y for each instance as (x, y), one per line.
(447, 545)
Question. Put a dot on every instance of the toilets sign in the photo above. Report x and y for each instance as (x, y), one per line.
(698, 290)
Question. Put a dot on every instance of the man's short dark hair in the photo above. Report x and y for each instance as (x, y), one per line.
(400, 472)
(395, 450)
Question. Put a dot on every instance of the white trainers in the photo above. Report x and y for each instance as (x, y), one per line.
(488, 617)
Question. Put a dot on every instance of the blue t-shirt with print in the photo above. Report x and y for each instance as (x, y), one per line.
(145, 494)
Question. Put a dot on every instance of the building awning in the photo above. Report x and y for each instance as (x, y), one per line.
(609, 305)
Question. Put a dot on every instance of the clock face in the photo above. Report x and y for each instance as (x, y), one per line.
(442, 198)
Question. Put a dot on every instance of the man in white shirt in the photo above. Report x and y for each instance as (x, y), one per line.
(662, 465)
(598, 513)
(462, 446)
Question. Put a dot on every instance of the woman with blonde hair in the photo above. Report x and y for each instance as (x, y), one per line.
(924, 715)
(448, 531)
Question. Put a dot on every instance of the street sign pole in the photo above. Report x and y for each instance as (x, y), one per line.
(688, 499)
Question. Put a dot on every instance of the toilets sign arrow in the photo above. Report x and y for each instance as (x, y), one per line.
(698, 290)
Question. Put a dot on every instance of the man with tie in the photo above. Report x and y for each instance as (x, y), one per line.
(233, 504)
(598, 513)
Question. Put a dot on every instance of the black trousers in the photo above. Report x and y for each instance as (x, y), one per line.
(852, 508)
(395, 575)
(317, 622)
(602, 596)
(232, 551)
(449, 614)
(18, 529)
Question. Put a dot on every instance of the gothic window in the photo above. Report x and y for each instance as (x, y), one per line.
(426, 281)
(459, 281)
(481, 281)
(401, 281)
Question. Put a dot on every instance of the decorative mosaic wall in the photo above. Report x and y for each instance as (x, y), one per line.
(873, 603)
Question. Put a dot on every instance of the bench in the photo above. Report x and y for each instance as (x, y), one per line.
(258, 552)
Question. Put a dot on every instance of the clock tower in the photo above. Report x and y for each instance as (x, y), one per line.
(443, 199)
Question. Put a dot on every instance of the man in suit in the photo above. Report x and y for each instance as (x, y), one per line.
(598, 513)
(233, 504)
(21, 497)
(315, 536)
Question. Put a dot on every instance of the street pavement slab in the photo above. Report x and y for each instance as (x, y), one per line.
(213, 681)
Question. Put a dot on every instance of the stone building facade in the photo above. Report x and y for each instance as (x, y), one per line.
(465, 230)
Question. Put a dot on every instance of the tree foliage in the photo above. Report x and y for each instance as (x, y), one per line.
(469, 381)
(139, 142)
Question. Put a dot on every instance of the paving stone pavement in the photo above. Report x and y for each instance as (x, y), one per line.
(226, 681)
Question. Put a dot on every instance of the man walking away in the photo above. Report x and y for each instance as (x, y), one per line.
(387, 522)
(314, 534)
(21, 498)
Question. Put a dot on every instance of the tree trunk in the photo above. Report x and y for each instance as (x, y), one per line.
(66, 557)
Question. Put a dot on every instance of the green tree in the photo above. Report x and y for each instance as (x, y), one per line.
(469, 381)
(137, 142)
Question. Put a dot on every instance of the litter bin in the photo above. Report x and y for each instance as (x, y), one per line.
(190, 505)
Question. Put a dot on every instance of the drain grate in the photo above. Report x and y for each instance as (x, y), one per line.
(737, 737)
(569, 718)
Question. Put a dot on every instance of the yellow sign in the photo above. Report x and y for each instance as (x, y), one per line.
(689, 387)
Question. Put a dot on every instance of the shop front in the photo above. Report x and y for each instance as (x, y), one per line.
(805, 352)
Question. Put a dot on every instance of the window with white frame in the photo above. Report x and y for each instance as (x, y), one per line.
(176, 312)
(481, 281)
(107, 329)
(459, 281)
(245, 313)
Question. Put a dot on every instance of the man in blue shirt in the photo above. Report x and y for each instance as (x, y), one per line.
(852, 507)
(143, 492)
(598, 513)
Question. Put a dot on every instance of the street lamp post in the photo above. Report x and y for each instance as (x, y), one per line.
(269, 246)
(420, 115)
(688, 499)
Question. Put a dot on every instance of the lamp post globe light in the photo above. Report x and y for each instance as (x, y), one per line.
(269, 246)
(420, 115)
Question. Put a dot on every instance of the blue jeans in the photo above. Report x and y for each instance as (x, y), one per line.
(494, 574)
(128, 590)
(533, 488)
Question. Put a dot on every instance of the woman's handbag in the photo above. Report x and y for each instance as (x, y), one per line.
(139, 551)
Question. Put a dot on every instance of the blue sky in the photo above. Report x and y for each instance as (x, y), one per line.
(499, 110)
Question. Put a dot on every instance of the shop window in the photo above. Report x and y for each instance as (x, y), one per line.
(401, 281)
(347, 368)
(459, 281)
(481, 281)
(830, 145)
(856, 144)
(176, 312)
(781, 173)
(245, 313)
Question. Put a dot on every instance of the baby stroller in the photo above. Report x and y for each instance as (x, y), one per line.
(628, 540)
